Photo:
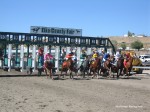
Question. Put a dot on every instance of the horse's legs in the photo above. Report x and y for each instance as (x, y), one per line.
(49, 71)
(97, 73)
(64, 74)
(51, 74)
(100, 71)
(71, 76)
(87, 73)
(118, 73)
(77, 73)
(113, 75)
(83, 73)
(109, 73)
(127, 72)
(46, 72)
(60, 74)
(94, 74)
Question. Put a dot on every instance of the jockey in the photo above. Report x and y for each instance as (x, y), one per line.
(83, 55)
(102, 53)
(106, 56)
(71, 56)
(48, 57)
(63, 54)
(117, 56)
(40, 51)
(95, 55)
(127, 56)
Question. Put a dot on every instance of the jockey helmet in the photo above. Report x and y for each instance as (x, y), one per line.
(95, 55)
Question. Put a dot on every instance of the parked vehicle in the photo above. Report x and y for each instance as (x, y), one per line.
(145, 58)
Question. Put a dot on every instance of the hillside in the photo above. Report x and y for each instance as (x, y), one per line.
(129, 40)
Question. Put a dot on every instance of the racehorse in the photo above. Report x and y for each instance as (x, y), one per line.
(118, 67)
(106, 67)
(68, 66)
(95, 66)
(48, 66)
(84, 68)
(128, 65)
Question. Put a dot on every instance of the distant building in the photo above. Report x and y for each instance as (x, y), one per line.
(125, 35)
(141, 35)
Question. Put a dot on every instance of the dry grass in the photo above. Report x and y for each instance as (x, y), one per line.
(129, 40)
(144, 40)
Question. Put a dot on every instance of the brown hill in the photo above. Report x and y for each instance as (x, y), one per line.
(129, 40)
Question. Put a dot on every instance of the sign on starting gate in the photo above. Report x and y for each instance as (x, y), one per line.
(55, 31)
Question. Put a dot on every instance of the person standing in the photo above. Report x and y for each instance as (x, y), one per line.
(63, 54)
(41, 55)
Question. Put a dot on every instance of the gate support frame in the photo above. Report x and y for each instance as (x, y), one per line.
(57, 55)
(22, 58)
(34, 57)
(9, 56)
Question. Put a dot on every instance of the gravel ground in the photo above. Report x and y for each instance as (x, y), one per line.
(22, 93)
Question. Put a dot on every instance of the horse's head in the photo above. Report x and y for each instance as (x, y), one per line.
(100, 57)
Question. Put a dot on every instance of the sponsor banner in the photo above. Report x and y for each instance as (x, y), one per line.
(55, 31)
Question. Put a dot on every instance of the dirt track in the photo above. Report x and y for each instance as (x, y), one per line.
(21, 93)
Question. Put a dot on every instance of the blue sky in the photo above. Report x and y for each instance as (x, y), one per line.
(94, 17)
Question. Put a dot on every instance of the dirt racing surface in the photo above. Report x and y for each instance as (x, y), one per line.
(22, 93)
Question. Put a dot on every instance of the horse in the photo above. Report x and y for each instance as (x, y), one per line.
(95, 66)
(84, 67)
(68, 66)
(106, 67)
(48, 66)
(128, 65)
(118, 66)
